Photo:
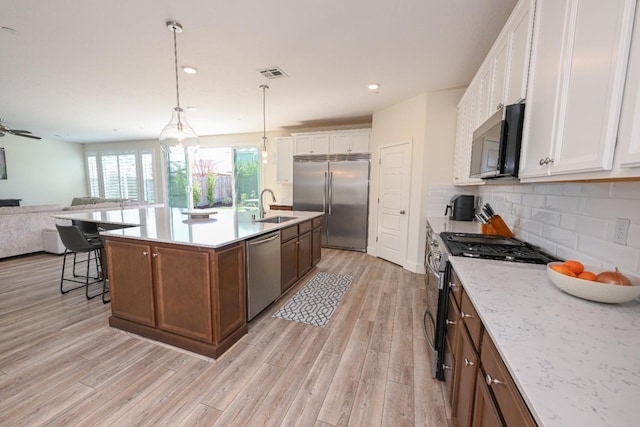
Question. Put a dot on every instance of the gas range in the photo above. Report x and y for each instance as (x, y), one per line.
(489, 246)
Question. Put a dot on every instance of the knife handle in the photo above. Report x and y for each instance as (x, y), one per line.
(500, 226)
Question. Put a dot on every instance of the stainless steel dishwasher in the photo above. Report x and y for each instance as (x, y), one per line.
(263, 272)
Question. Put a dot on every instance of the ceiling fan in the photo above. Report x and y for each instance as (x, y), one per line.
(7, 130)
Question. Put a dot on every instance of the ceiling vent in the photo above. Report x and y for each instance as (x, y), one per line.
(272, 73)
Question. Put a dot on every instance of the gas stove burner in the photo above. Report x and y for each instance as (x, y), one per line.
(493, 247)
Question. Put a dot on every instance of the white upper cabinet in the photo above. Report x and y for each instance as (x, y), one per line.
(483, 109)
(284, 165)
(333, 142)
(312, 143)
(465, 125)
(520, 33)
(576, 80)
(349, 142)
(627, 156)
(501, 80)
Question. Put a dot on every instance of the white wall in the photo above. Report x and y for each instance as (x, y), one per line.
(428, 120)
(42, 171)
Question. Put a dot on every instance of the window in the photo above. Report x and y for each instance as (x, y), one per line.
(221, 177)
(121, 175)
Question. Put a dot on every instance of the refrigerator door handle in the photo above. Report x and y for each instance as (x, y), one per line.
(330, 191)
(324, 194)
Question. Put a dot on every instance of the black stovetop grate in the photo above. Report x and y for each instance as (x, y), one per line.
(494, 247)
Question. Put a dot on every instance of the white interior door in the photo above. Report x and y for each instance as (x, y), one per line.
(393, 202)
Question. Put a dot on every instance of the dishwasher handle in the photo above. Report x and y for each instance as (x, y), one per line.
(259, 242)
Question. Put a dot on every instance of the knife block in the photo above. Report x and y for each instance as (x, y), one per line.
(487, 229)
(500, 227)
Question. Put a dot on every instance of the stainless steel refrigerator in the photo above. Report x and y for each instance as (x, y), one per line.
(337, 185)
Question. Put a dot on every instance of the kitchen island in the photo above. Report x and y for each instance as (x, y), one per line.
(181, 280)
(574, 362)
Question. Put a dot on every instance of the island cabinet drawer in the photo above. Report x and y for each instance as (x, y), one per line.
(509, 400)
(303, 227)
(472, 321)
(317, 222)
(288, 233)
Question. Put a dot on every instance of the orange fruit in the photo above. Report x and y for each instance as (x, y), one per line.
(563, 270)
(576, 266)
(587, 275)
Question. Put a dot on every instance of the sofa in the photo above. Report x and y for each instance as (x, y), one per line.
(22, 227)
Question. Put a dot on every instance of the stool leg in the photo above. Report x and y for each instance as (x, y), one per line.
(64, 261)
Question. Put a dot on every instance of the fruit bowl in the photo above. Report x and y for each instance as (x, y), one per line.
(594, 291)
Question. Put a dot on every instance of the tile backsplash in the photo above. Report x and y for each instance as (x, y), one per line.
(569, 220)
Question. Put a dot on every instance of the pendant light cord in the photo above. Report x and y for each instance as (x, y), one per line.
(264, 114)
(175, 57)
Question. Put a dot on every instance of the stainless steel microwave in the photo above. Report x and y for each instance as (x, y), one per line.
(495, 148)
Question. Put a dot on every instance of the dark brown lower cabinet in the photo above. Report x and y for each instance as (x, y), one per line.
(485, 412)
(193, 298)
(297, 253)
(482, 392)
(304, 254)
(465, 383)
(512, 407)
(316, 240)
(289, 263)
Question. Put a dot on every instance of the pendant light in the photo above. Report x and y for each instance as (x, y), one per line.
(265, 142)
(177, 134)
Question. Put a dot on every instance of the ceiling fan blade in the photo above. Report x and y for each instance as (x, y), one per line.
(26, 136)
(19, 131)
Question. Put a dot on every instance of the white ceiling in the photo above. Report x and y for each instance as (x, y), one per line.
(96, 70)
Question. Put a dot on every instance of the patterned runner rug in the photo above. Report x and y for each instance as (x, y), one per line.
(317, 300)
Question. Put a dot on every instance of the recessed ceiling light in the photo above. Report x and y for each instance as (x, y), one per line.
(189, 69)
(192, 108)
(373, 86)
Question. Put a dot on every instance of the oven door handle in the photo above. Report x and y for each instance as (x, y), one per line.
(428, 314)
(430, 261)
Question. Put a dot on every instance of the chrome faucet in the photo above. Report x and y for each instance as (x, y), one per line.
(273, 197)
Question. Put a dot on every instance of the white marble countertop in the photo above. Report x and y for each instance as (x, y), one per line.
(576, 362)
(440, 224)
(171, 225)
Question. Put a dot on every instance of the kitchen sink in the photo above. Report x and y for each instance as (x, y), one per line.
(277, 219)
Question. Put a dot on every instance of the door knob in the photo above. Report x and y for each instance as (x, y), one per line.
(402, 212)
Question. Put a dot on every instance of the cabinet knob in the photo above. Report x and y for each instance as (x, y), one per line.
(491, 381)
(452, 285)
(447, 367)
(450, 322)
(145, 253)
(463, 315)
(155, 254)
(467, 362)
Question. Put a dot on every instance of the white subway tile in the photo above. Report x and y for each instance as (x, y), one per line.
(609, 252)
(533, 200)
(633, 239)
(545, 216)
(560, 236)
(564, 203)
(626, 190)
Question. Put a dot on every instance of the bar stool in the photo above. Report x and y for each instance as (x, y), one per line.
(75, 243)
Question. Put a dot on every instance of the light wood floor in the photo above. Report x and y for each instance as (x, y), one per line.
(61, 364)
